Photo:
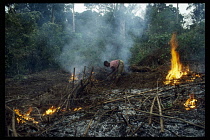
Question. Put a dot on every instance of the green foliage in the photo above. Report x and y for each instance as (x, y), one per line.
(19, 77)
(162, 23)
(33, 41)
(30, 48)
(198, 13)
(192, 43)
(18, 42)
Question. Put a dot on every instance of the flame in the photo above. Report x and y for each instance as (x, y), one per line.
(71, 78)
(77, 109)
(176, 71)
(190, 103)
(51, 110)
(24, 116)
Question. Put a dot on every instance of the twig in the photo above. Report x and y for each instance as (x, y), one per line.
(84, 73)
(87, 128)
(128, 96)
(74, 91)
(169, 88)
(26, 121)
(8, 129)
(18, 99)
(160, 113)
(171, 118)
(67, 102)
(126, 115)
(104, 114)
(125, 120)
(173, 132)
(136, 129)
(89, 124)
(144, 101)
(38, 112)
(49, 127)
(151, 110)
(13, 125)
(73, 78)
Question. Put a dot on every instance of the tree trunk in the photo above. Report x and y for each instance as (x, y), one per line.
(17, 68)
(52, 14)
(122, 21)
(177, 13)
(73, 19)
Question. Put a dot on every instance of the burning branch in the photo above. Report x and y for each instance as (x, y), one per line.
(25, 116)
(51, 110)
(26, 121)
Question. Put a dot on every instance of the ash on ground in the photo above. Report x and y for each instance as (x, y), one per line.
(126, 119)
(108, 111)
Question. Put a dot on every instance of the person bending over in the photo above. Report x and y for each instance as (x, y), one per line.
(117, 67)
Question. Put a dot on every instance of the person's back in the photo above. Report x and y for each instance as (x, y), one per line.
(117, 67)
(114, 63)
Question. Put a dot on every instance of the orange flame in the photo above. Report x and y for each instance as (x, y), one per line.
(51, 110)
(190, 103)
(71, 78)
(24, 116)
(77, 109)
(176, 67)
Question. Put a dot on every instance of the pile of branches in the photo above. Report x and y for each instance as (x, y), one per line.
(66, 98)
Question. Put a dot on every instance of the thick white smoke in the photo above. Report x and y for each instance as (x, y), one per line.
(83, 51)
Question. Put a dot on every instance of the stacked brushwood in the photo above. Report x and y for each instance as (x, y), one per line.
(76, 91)
(64, 98)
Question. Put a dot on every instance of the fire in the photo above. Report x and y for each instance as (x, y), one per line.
(190, 103)
(24, 116)
(176, 71)
(77, 109)
(51, 110)
(71, 78)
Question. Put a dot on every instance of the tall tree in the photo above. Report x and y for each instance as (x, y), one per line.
(162, 18)
(198, 13)
(52, 13)
(73, 18)
(20, 29)
(122, 21)
(177, 13)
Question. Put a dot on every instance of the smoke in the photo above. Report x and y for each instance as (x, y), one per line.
(98, 39)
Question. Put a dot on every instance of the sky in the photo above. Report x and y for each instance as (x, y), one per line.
(79, 7)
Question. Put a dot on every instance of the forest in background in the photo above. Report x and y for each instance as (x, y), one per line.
(49, 35)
